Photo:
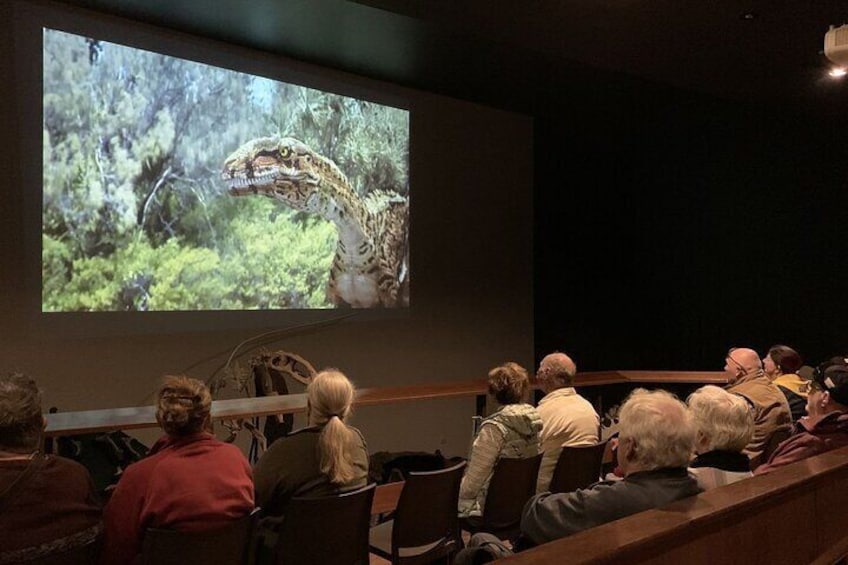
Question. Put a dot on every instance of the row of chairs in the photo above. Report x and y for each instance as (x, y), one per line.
(424, 527)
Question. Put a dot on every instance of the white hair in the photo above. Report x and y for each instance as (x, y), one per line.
(660, 427)
(724, 420)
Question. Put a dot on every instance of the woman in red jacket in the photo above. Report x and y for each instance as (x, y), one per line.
(190, 481)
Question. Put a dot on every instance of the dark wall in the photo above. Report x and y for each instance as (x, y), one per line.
(664, 236)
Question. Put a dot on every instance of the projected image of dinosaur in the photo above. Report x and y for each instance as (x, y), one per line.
(135, 216)
(369, 266)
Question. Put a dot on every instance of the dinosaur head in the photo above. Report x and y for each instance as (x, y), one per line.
(281, 168)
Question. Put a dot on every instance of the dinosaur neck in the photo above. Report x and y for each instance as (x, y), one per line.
(347, 212)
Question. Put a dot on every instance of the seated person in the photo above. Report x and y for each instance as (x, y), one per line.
(568, 419)
(190, 481)
(826, 426)
(327, 457)
(781, 365)
(656, 439)
(512, 432)
(724, 425)
(771, 410)
(47, 503)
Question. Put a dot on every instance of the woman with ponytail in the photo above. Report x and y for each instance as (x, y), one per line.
(189, 481)
(327, 457)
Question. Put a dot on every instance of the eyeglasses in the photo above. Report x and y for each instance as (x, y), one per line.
(739, 365)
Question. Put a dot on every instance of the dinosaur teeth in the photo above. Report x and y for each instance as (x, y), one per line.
(244, 182)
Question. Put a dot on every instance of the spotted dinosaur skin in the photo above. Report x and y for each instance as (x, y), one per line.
(370, 265)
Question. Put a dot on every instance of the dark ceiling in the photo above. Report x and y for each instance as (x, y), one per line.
(524, 55)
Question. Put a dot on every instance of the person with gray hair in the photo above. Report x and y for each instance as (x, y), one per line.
(725, 425)
(656, 439)
(48, 504)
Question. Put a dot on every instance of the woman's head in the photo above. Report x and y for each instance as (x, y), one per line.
(21, 421)
(781, 360)
(723, 420)
(329, 394)
(183, 406)
(509, 383)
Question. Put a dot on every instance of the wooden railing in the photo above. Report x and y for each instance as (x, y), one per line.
(795, 514)
(89, 421)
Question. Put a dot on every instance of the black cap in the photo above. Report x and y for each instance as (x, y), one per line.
(832, 376)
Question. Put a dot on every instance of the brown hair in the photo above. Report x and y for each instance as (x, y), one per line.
(183, 406)
(21, 422)
(330, 395)
(509, 383)
(785, 358)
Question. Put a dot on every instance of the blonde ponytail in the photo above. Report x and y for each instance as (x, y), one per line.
(330, 397)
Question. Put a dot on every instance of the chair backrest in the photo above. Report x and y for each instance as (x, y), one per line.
(427, 511)
(327, 530)
(229, 544)
(578, 467)
(87, 554)
(777, 437)
(513, 483)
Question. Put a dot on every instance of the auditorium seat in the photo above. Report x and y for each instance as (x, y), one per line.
(513, 483)
(425, 526)
(777, 437)
(578, 467)
(87, 554)
(326, 530)
(226, 545)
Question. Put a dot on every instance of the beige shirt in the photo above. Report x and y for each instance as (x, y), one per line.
(568, 419)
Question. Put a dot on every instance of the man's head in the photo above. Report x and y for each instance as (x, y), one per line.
(556, 370)
(829, 388)
(21, 421)
(741, 362)
(656, 431)
(723, 420)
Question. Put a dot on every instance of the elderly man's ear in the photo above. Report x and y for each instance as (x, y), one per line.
(626, 449)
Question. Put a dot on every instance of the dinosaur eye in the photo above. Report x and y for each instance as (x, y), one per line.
(285, 152)
(307, 158)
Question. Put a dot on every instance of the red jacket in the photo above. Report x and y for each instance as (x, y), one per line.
(813, 435)
(190, 483)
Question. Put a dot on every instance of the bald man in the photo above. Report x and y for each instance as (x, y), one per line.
(771, 411)
(568, 419)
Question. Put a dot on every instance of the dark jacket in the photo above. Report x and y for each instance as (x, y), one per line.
(549, 516)
(292, 467)
(812, 436)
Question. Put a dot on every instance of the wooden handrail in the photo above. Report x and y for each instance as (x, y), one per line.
(794, 514)
(91, 421)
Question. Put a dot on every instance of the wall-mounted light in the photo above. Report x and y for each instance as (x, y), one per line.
(836, 49)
